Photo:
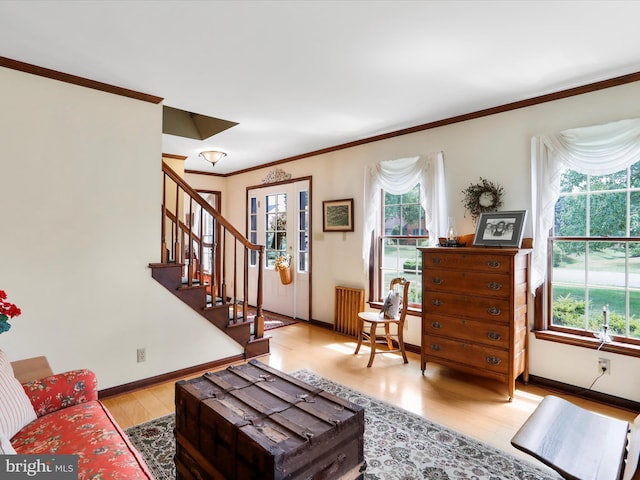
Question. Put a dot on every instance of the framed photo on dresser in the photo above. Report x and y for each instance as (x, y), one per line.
(500, 229)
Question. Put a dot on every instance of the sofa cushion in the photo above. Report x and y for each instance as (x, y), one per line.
(61, 390)
(89, 431)
(5, 446)
(16, 410)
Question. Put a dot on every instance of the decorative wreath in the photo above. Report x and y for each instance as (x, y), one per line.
(484, 196)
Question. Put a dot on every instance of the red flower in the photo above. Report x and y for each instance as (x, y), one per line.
(7, 311)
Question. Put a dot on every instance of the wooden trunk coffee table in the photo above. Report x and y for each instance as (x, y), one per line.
(254, 422)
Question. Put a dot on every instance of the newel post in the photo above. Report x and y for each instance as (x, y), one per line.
(259, 321)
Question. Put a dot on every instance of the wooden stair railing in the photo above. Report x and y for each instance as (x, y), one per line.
(198, 248)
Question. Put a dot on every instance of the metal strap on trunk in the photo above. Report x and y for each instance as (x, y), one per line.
(265, 381)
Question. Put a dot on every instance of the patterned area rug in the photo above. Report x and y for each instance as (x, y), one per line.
(398, 445)
(271, 320)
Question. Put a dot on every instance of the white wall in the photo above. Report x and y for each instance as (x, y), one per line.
(495, 147)
(206, 182)
(80, 189)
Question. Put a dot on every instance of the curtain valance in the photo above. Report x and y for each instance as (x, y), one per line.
(595, 150)
(397, 177)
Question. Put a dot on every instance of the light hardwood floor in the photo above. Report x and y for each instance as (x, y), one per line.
(474, 406)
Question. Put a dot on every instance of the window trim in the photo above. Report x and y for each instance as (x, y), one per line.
(412, 309)
(587, 342)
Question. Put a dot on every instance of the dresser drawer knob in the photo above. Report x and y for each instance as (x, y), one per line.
(495, 311)
(494, 286)
(436, 324)
(435, 347)
(436, 260)
(493, 336)
(493, 360)
(494, 264)
(436, 302)
(437, 280)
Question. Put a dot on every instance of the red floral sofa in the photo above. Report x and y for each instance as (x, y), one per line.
(71, 420)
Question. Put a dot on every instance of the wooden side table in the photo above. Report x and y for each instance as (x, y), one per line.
(31, 369)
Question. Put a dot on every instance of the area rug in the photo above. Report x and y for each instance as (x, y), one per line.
(398, 445)
(271, 320)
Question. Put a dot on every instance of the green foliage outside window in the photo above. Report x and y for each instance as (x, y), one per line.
(412, 265)
(588, 274)
(569, 311)
(403, 214)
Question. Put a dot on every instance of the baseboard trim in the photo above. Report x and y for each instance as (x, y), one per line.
(166, 377)
(560, 387)
(318, 323)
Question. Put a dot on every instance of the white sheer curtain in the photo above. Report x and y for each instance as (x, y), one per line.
(596, 150)
(397, 177)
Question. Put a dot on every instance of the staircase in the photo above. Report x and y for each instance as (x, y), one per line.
(205, 263)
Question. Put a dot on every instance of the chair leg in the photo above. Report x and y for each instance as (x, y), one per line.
(388, 335)
(401, 344)
(372, 342)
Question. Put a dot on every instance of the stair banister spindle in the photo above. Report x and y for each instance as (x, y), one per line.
(177, 255)
(189, 249)
(213, 261)
(235, 276)
(224, 265)
(163, 233)
(201, 247)
(245, 286)
(216, 258)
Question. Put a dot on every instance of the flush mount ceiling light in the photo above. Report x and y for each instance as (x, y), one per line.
(213, 156)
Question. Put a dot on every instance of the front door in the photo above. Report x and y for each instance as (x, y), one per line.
(278, 218)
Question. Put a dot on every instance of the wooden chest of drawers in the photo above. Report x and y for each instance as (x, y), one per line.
(475, 311)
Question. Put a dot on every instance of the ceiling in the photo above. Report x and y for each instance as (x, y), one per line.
(300, 76)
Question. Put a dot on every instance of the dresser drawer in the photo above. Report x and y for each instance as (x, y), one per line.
(484, 262)
(462, 282)
(492, 309)
(478, 356)
(493, 335)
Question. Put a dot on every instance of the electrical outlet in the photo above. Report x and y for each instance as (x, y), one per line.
(142, 355)
(604, 364)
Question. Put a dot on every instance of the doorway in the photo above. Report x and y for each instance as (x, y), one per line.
(279, 217)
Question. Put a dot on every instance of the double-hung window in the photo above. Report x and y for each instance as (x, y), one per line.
(403, 230)
(595, 255)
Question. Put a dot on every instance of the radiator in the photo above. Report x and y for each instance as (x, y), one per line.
(348, 302)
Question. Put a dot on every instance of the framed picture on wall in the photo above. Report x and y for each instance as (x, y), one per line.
(337, 215)
(500, 229)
